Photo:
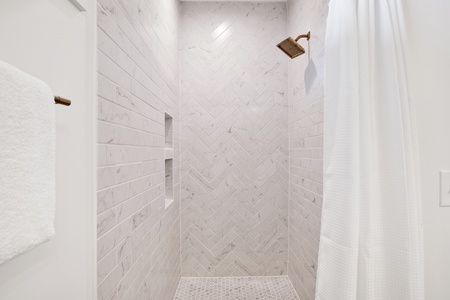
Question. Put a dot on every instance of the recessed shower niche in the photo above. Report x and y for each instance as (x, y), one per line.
(168, 130)
(168, 155)
(168, 176)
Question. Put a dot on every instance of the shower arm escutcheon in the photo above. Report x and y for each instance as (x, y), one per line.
(307, 36)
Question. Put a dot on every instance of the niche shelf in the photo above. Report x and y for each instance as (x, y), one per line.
(168, 155)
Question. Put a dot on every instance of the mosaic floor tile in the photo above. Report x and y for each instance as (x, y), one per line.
(236, 288)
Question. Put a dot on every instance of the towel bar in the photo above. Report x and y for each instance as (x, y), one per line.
(63, 101)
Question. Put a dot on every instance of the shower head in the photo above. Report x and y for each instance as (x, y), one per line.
(291, 47)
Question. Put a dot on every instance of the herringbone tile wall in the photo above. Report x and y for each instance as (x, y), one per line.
(306, 143)
(138, 69)
(234, 139)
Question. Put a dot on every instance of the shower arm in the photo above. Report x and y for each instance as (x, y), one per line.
(307, 36)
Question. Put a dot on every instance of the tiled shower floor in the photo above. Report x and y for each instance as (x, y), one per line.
(236, 288)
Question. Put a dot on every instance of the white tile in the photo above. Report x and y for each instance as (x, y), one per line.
(137, 60)
(236, 288)
(306, 144)
(233, 118)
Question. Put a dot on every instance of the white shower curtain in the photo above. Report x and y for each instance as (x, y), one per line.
(371, 235)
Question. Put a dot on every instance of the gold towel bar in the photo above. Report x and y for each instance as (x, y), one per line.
(63, 101)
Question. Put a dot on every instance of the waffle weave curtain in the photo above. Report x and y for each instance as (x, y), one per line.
(371, 234)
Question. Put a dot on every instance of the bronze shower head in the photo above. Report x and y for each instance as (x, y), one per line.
(291, 47)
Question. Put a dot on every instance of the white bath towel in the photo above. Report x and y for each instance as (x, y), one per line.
(27, 162)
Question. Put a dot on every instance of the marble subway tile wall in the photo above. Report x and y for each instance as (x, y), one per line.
(306, 79)
(234, 139)
(138, 82)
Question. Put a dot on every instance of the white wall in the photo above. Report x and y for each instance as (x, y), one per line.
(428, 26)
(51, 40)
